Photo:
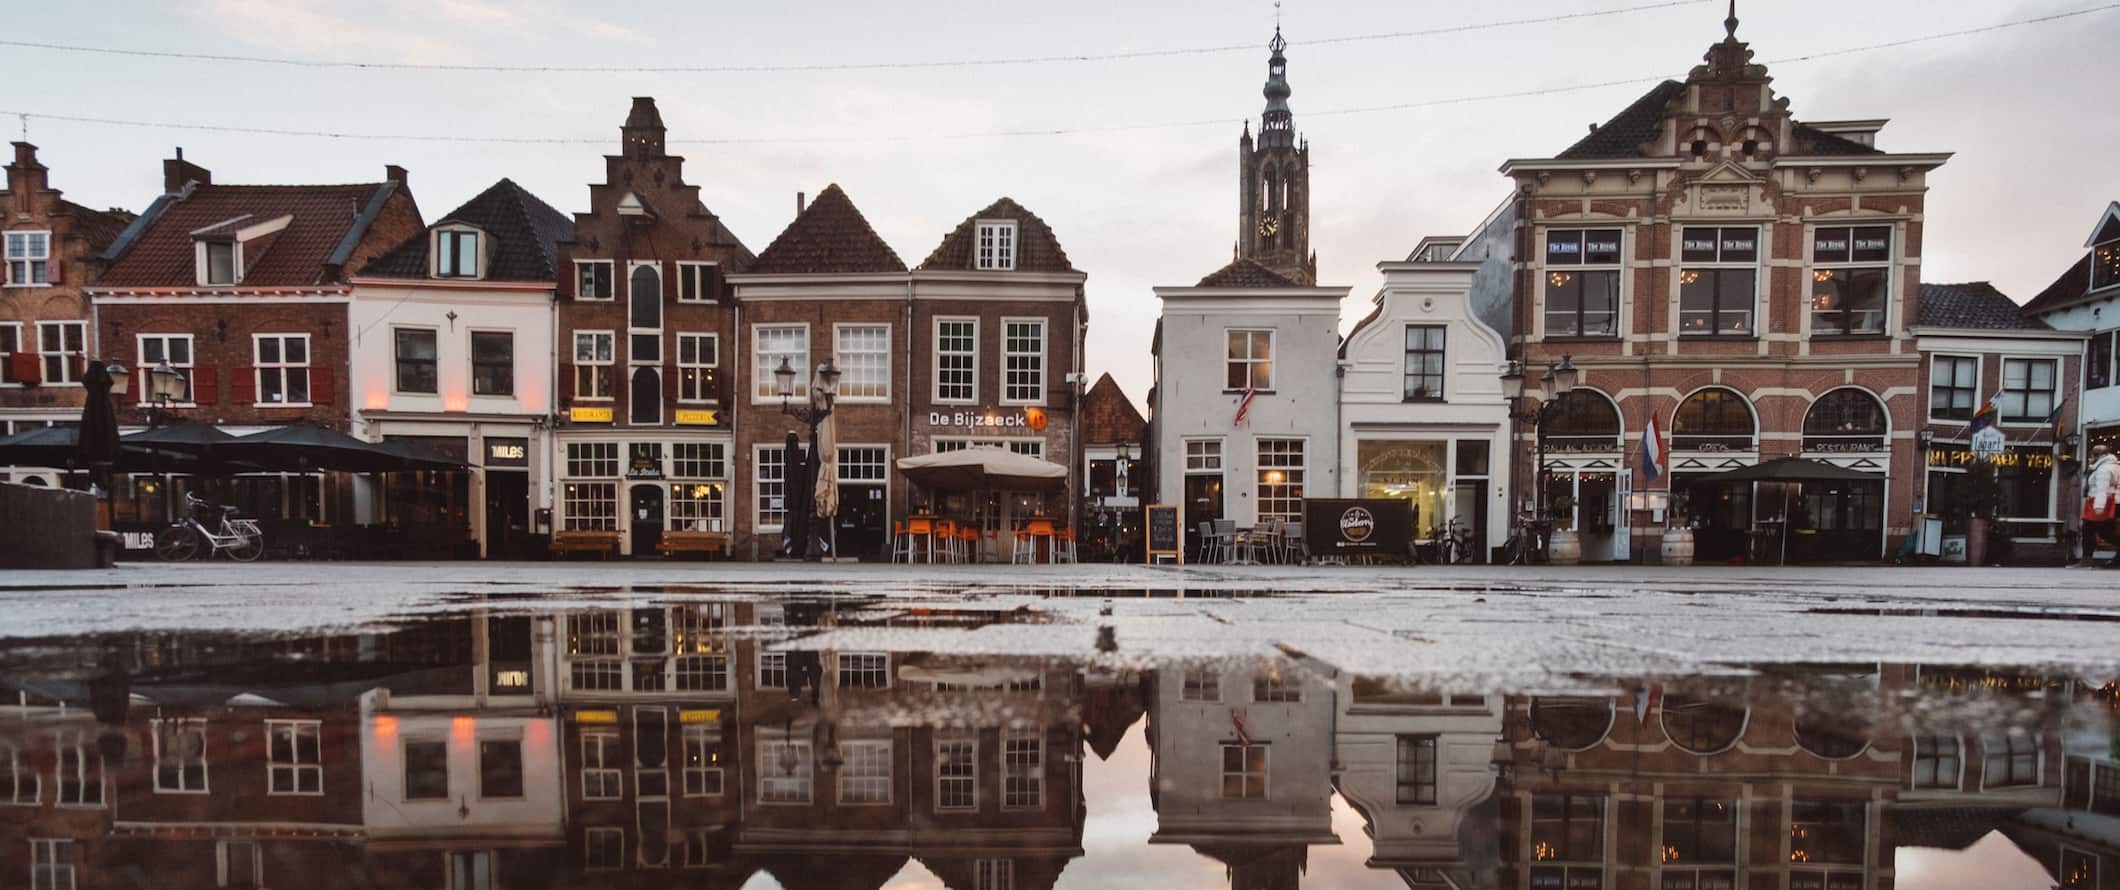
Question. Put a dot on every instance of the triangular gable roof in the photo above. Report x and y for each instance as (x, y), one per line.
(830, 236)
(1243, 272)
(1624, 134)
(524, 233)
(1037, 249)
(1109, 416)
(2108, 227)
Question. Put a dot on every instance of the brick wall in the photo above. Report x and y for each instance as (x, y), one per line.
(30, 204)
(224, 355)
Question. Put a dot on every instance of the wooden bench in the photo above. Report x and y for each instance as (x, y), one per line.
(603, 543)
(675, 542)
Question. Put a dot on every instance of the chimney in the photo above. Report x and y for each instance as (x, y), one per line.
(25, 176)
(177, 173)
(394, 173)
(798, 204)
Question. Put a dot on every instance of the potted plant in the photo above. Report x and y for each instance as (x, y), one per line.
(1977, 503)
(1563, 546)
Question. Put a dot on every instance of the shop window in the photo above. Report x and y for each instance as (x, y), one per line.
(1280, 487)
(1567, 841)
(1826, 841)
(1851, 269)
(1713, 419)
(1845, 420)
(1718, 285)
(1700, 844)
(2097, 362)
(492, 363)
(418, 369)
(1407, 471)
(1582, 282)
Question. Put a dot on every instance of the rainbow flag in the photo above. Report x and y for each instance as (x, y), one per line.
(1988, 414)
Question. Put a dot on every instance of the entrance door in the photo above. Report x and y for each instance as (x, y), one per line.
(1623, 519)
(1203, 503)
(647, 517)
(507, 513)
(862, 520)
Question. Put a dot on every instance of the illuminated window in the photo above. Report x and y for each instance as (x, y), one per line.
(1851, 270)
(1280, 467)
(1719, 283)
(601, 779)
(1567, 841)
(592, 365)
(1582, 283)
(1243, 772)
(1700, 844)
(703, 759)
(1248, 361)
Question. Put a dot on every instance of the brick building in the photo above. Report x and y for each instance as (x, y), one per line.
(52, 248)
(1714, 264)
(643, 320)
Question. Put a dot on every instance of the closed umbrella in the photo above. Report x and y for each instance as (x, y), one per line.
(98, 442)
(827, 451)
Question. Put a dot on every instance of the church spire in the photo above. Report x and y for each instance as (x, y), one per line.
(1277, 126)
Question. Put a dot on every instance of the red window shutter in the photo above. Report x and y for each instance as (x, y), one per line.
(203, 391)
(243, 389)
(25, 368)
(319, 386)
(52, 265)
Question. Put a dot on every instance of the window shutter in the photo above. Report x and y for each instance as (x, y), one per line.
(319, 386)
(24, 368)
(51, 262)
(203, 391)
(710, 282)
(243, 389)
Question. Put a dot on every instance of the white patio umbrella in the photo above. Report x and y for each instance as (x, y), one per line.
(983, 467)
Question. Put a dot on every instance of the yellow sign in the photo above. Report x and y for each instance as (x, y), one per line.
(697, 417)
(1957, 457)
(601, 717)
(709, 715)
(587, 414)
(512, 679)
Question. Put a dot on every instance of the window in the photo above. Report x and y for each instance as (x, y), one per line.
(1582, 283)
(644, 396)
(1281, 479)
(864, 463)
(863, 356)
(604, 848)
(993, 874)
(492, 363)
(10, 343)
(592, 279)
(864, 670)
(956, 774)
(1844, 420)
(1271, 686)
(784, 771)
(865, 772)
(80, 770)
(1022, 770)
(772, 345)
(772, 485)
(417, 363)
(500, 768)
(1936, 762)
(703, 673)
(62, 344)
(956, 359)
(239, 864)
(51, 864)
(703, 756)
(1851, 268)
(695, 853)
(1719, 283)
(455, 254)
(29, 257)
(601, 779)
(644, 303)
(1713, 419)
(1567, 828)
(697, 356)
(1954, 382)
(592, 365)
(1416, 769)
(180, 756)
(996, 245)
(1201, 684)
(295, 762)
(171, 349)
(1243, 772)
(1825, 833)
(1424, 362)
(21, 783)
(772, 670)
(2105, 268)
(1203, 455)
(590, 506)
(283, 369)
(426, 769)
(1702, 726)
(695, 282)
(2028, 389)
(698, 505)
(1248, 364)
(2009, 761)
(2097, 361)
(1023, 360)
(220, 258)
(1700, 844)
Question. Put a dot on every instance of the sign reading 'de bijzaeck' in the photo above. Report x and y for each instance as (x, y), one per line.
(1028, 418)
(1358, 526)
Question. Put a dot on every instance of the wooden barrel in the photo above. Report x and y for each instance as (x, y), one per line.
(1564, 548)
(1678, 546)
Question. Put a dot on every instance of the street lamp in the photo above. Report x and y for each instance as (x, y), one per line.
(1126, 456)
(824, 392)
(165, 385)
(1560, 379)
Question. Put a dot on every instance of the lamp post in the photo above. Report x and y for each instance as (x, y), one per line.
(1559, 379)
(165, 386)
(823, 394)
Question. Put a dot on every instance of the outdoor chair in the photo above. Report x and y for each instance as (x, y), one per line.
(967, 543)
(1225, 537)
(1292, 543)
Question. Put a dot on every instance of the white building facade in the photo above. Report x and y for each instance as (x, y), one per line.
(2079, 301)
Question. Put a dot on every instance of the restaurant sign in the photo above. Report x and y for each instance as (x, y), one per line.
(697, 417)
(1030, 418)
(589, 414)
(1954, 456)
(507, 452)
(1358, 526)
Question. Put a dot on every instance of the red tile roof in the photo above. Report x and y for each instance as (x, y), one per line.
(1109, 417)
(1246, 273)
(1037, 250)
(161, 254)
(99, 227)
(829, 236)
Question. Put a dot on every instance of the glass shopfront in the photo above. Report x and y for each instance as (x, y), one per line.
(1446, 480)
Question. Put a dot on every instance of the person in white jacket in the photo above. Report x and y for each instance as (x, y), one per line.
(2099, 490)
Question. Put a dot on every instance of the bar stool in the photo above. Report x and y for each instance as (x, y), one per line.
(901, 543)
(968, 543)
(917, 531)
(1026, 549)
(945, 540)
(1064, 545)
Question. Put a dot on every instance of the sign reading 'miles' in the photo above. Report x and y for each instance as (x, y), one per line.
(1032, 419)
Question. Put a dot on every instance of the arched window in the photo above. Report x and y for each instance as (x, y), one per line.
(1270, 191)
(1830, 736)
(645, 298)
(645, 396)
(1702, 726)
(1583, 420)
(1845, 420)
(1571, 723)
(1714, 419)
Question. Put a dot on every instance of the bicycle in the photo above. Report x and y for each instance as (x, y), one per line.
(181, 541)
(1527, 542)
(1454, 543)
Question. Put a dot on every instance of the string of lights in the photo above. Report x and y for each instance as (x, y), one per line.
(868, 138)
(1132, 55)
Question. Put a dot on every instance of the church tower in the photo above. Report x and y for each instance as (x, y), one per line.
(1274, 183)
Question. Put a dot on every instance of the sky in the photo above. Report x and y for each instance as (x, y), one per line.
(1132, 161)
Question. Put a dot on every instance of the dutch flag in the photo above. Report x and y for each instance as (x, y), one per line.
(1652, 452)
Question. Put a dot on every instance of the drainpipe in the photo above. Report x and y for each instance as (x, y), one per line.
(1339, 387)
(905, 412)
(1076, 480)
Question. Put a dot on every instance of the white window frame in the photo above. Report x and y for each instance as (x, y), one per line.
(1987, 776)
(840, 668)
(765, 389)
(993, 874)
(1265, 771)
(612, 279)
(1024, 445)
(1890, 265)
(202, 253)
(51, 863)
(1272, 359)
(608, 364)
(31, 263)
(225, 865)
(1546, 269)
(205, 759)
(294, 729)
(872, 358)
(1957, 781)
(259, 366)
(863, 787)
(805, 782)
(1023, 785)
(939, 352)
(1259, 470)
(759, 511)
(713, 342)
(702, 735)
(1009, 352)
(24, 777)
(607, 753)
(633, 331)
(995, 245)
(589, 842)
(762, 669)
(940, 742)
(453, 233)
(1208, 687)
(689, 277)
(70, 376)
(191, 351)
(7, 352)
(1218, 456)
(88, 771)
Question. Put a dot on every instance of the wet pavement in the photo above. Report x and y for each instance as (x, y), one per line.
(495, 727)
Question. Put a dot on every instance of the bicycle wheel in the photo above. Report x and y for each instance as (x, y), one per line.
(176, 544)
(248, 549)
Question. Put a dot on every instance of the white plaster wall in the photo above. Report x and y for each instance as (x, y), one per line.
(385, 809)
(1366, 747)
(1189, 737)
(377, 310)
(2100, 406)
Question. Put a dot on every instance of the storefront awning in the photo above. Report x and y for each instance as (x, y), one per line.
(982, 467)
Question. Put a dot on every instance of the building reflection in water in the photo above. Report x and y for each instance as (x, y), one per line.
(724, 742)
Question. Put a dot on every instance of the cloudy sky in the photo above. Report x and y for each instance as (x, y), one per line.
(1131, 160)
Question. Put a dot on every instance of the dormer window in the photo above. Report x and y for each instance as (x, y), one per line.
(456, 253)
(223, 251)
(2105, 264)
(218, 265)
(996, 242)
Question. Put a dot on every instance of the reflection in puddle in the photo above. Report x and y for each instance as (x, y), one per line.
(722, 744)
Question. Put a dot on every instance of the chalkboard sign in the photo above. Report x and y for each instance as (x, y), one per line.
(1164, 536)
